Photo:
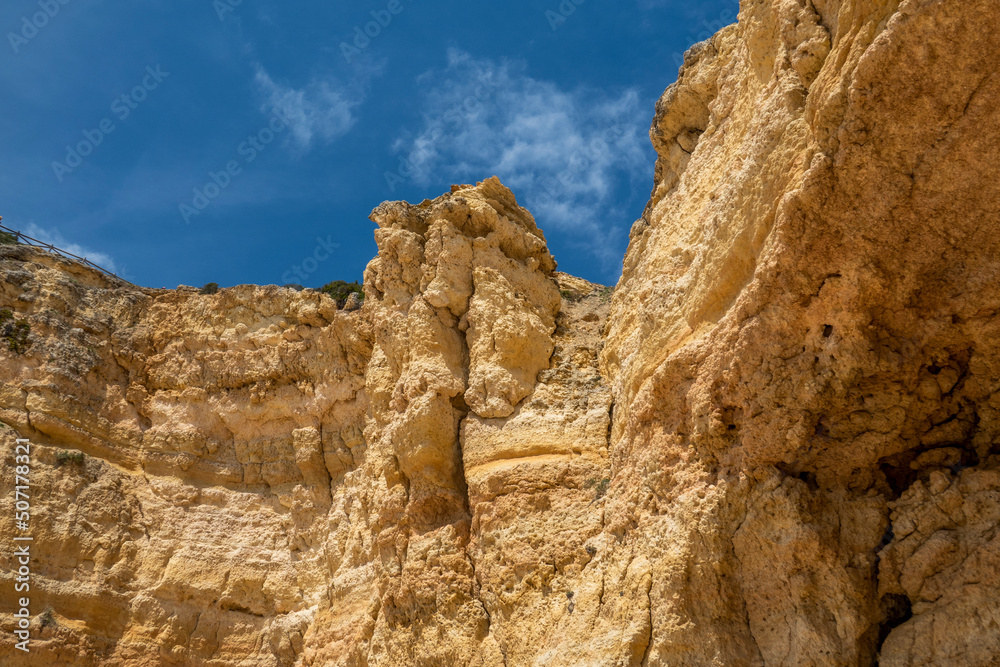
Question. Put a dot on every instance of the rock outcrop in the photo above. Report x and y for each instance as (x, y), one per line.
(257, 477)
(186, 447)
(804, 333)
(776, 442)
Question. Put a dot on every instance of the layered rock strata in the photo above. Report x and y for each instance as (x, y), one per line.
(776, 442)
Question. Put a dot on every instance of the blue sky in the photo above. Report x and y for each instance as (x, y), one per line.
(194, 141)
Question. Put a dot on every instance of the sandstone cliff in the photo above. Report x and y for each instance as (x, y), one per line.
(776, 442)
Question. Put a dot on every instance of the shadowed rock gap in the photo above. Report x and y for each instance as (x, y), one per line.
(773, 443)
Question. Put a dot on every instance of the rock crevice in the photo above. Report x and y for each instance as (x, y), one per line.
(775, 442)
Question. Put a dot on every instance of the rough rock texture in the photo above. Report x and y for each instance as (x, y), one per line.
(213, 429)
(776, 442)
(805, 329)
(488, 418)
(267, 480)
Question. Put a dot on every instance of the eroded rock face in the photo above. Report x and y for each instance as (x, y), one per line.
(186, 449)
(941, 567)
(804, 329)
(776, 442)
(254, 477)
(463, 308)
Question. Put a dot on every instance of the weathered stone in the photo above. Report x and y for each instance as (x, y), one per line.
(775, 442)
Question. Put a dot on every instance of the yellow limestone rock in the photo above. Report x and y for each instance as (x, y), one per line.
(185, 448)
(805, 329)
(775, 442)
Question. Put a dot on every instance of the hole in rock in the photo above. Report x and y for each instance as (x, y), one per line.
(896, 610)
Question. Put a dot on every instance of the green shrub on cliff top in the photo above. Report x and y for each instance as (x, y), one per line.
(340, 290)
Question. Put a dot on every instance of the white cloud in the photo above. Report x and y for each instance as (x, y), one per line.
(53, 237)
(320, 110)
(566, 154)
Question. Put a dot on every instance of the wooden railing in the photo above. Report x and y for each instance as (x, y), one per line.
(27, 240)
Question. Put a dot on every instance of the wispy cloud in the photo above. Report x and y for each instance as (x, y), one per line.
(53, 237)
(321, 110)
(565, 153)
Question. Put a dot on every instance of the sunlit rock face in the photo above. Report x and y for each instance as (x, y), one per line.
(185, 451)
(776, 442)
(803, 350)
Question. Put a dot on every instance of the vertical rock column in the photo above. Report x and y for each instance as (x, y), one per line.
(463, 308)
